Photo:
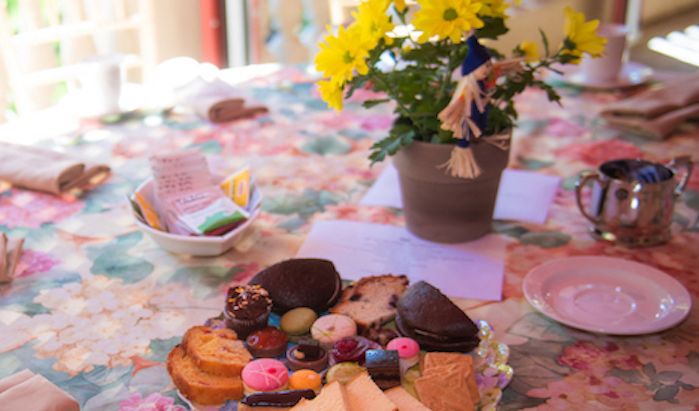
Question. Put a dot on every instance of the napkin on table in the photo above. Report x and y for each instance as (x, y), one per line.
(50, 171)
(657, 112)
(10, 250)
(216, 100)
(28, 391)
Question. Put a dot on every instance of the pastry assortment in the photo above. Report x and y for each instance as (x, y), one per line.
(322, 356)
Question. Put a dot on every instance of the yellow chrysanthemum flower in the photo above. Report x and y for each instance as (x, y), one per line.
(342, 55)
(530, 50)
(494, 8)
(331, 93)
(581, 36)
(446, 19)
(373, 22)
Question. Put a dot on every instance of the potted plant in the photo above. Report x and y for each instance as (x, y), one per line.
(453, 97)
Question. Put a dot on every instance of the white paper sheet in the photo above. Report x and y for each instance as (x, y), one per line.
(467, 270)
(522, 196)
(525, 196)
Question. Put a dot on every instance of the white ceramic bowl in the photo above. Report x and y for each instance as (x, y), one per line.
(198, 245)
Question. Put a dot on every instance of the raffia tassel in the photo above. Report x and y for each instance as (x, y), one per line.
(462, 163)
(501, 141)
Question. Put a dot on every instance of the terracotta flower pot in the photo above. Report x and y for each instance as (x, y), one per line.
(445, 209)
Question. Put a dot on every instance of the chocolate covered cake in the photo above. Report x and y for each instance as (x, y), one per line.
(434, 321)
(301, 282)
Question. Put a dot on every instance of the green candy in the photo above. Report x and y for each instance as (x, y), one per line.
(298, 321)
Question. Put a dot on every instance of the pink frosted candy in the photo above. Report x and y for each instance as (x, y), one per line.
(407, 347)
(265, 374)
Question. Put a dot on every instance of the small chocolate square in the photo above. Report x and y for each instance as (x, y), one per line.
(383, 367)
(309, 347)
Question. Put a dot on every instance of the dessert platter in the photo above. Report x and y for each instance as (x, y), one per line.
(297, 337)
(607, 295)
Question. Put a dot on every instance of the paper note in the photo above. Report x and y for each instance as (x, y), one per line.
(467, 270)
(385, 191)
(522, 196)
(525, 196)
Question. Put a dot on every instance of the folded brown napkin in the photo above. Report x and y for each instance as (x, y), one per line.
(232, 109)
(217, 100)
(10, 250)
(657, 112)
(47, 170)
(27, 391)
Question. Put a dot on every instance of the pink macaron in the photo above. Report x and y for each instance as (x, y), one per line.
(265, 374)
(408, 351)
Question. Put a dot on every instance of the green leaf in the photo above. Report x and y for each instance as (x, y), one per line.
(493, 27)
(372, 103)
(401, 135)
(544, 40)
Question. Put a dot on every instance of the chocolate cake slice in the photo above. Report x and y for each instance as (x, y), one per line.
(383, 367)
(300, 282)
(434, 321)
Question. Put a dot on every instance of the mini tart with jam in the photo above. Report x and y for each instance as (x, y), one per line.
(247, 309)
(268, 342)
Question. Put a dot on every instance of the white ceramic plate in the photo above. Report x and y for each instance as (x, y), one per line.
(607, 295)
(632, 74)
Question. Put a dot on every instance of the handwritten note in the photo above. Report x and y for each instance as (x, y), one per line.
(467, 270)
(522, 196)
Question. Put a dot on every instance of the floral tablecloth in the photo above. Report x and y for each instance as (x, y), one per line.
(96, 306)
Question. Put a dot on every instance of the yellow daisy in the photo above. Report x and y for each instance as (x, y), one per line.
(529, 49)
(331, 93)
(373, 22)
(581, 36)
(494, 8)
(446, 19)
(342, 55)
